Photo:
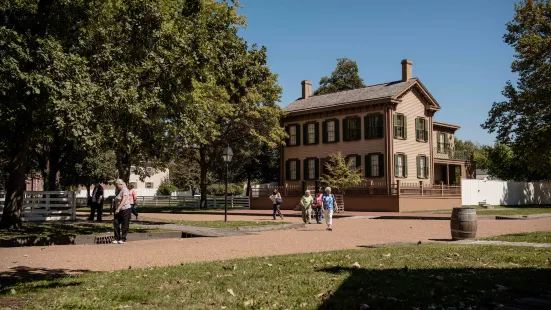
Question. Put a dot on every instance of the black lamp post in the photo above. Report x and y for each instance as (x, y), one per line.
(227, 155)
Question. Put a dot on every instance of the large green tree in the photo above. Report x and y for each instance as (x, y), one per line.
(523, 121)
(344, 77)
(44, 84)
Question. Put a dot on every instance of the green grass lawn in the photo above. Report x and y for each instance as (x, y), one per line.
(402, 277)
(536, 237)
(165, 209)
(67, 228)
(229, 224)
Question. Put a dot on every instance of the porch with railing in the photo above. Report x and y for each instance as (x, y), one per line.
(445, 151)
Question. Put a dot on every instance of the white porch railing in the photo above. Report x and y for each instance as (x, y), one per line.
(45, 206)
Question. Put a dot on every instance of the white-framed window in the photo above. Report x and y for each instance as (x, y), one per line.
(149, 170)
(311, 169)
(352, 162)
(374, 162)
(293, 135)
(422, 167)
(311, 133)
(293, 170)
(400, 165)
(148, 184)
(331, 131)
(132, 169)
(400, 126)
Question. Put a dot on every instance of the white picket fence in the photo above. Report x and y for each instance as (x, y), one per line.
(46, 206)
(505, 193)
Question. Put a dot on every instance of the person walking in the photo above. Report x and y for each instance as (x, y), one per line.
(329, 204)
(318, 206)
(122, 212)
(96, 203)
(306, 202)
(133, 195)
(276, 201)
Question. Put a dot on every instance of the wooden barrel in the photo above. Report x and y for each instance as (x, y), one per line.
(463, 223)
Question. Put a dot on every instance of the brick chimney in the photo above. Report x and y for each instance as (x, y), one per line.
(406, 69)
(306, 89)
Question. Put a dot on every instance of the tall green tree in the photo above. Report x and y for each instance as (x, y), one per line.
(523, 121)
(344, 77)
(44, 84)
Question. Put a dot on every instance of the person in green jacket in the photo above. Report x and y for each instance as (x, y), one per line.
(306, 202)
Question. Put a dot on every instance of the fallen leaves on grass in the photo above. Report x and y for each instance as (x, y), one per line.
(303, 305)
(356, 265)
(231, 292)
(387, 255)
(249, 302)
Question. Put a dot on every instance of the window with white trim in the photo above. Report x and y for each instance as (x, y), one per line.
(293, 169)
(293, 135)
(148, 184)
(352, 162)
(311, 169)
(400, 165)
(331, 131)
(311, 133)
(374, 162)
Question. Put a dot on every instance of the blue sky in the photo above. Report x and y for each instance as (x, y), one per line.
(456, 47)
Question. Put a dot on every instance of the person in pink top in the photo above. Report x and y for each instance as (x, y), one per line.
(133, 201)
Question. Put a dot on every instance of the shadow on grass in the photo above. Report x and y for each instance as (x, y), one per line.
(435, 288)
(44, 278)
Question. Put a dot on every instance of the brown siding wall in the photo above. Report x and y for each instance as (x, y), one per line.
(410, 204)
(321, 150)
(412, 107)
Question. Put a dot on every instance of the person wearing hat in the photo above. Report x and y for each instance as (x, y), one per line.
(122, 212)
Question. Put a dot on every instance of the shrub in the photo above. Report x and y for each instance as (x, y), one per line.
(219, 189)
(166, 189)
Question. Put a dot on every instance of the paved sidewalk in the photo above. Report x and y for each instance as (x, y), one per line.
(348, 234)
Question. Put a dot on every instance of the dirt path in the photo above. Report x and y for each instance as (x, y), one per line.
(348, 234)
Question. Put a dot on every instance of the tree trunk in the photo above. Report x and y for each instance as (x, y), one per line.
(88, 198)
(203, 165)
(15, 187)
(249, 177)
(123, 166)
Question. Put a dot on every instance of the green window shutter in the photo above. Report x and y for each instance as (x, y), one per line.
(298, 134)
(337, 131)
(427, 167)
(426, 130)
(305, 134)
(381, 123)
(359, 128)
(381, 165)
(418, 129)
(287, 139)
(306, 172)
(345, 129)
(288, 170)
(395, 125)
(396, 165)
(405, 166)
(317, 165)
(367, 164)
(317, 131)
(358, 162)
(324, 131)
(418, 161)
(298, 169)
(405, 127)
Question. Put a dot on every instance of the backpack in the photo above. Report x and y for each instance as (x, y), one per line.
(319, 202)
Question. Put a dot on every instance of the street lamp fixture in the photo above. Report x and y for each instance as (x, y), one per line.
(227, 156)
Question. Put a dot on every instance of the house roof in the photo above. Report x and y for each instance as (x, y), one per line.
(390, 90)
(438, 124)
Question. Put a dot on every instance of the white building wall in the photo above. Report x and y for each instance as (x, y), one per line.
(505, 193)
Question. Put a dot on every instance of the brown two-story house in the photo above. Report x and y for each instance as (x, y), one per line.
(385, 130)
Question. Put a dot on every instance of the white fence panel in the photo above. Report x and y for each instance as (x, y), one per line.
(46, 206)
(506, 193)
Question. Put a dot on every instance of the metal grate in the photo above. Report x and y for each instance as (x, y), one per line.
(104, 239)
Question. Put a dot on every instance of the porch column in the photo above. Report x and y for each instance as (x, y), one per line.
(448, 173)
